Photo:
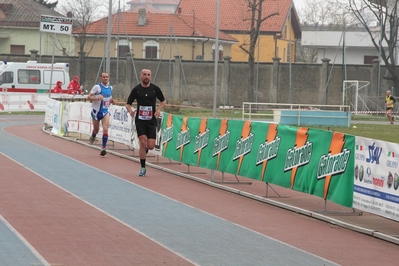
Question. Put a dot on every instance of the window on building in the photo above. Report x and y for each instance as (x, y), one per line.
(17, 49)
(220, 57)
(28, 76)
(285, 55)
(123, 48)
(151, 52)
(151, 49)
(368, 59)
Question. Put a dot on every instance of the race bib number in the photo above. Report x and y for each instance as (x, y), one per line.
(145, 112)
(107, 102)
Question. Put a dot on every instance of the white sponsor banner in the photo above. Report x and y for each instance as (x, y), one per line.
(55, 116)
(76, 118)
(57, 125)
(52, 112)
(16, 102)
(377, 177)
(120, 126)
(24, 101)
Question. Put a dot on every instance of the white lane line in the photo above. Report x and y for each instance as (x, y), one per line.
(27, 244)
(95, 207)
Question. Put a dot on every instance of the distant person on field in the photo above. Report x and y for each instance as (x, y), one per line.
(57, 88)
(389, 104)
(74, 86)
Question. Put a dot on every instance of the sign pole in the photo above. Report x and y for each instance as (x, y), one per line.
(52, 66)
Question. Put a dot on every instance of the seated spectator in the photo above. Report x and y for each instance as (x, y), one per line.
(57, 88)
(74, 86)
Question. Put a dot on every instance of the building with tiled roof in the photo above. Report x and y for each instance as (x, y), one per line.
(156, 35)
(20, 29)
(277, 32)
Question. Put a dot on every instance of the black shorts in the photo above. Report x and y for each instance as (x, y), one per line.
(389, 108)
(146, 128)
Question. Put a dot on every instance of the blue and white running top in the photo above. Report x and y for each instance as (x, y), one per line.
(100, 108)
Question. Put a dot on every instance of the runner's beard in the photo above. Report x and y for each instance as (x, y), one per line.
(146, 81)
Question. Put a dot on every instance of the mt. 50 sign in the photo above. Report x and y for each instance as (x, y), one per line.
(56, 24)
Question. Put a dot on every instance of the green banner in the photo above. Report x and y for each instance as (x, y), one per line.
(312, 161)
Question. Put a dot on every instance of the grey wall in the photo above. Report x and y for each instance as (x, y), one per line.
(192, 82)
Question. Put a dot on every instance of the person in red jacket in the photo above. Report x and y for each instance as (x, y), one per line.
(57, 88)
(74, 86)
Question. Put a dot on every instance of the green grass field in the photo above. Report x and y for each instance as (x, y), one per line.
(383, 131)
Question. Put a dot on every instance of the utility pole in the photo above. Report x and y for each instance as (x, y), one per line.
(108, 59)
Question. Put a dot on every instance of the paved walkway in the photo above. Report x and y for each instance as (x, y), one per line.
(63, 204)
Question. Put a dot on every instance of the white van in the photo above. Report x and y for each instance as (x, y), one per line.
(32, 77)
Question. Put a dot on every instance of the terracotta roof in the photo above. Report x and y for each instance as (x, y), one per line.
(157, 25)
(23, 13)
(235, 15)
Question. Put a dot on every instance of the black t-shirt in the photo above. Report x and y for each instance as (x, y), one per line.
(146, 99)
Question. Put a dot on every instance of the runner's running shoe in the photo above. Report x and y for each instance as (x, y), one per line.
(142, 172)
(92, 139)
(103, 152)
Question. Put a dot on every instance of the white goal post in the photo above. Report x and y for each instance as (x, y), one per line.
(351, 95)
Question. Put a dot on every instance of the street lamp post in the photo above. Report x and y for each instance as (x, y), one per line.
(215, 82)
(108, 59)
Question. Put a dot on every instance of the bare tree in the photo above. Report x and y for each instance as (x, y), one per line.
(47, 4)
(386, 13)
(255, 8)
(83, 12)
(330, 14)
(304, 54)
(323, 15)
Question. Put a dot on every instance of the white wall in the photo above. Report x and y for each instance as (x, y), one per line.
(329, 44)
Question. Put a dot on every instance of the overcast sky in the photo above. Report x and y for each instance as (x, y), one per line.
(104, 2)
(298, 3)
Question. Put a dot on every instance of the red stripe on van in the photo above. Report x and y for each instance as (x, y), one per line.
(22, 90)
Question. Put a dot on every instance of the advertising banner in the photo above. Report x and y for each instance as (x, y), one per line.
(53, 116)
(120, 126)
(376, 177)
(313, 161)
(75, 117)
(53, 112)
(78, 117)
(18, 102)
